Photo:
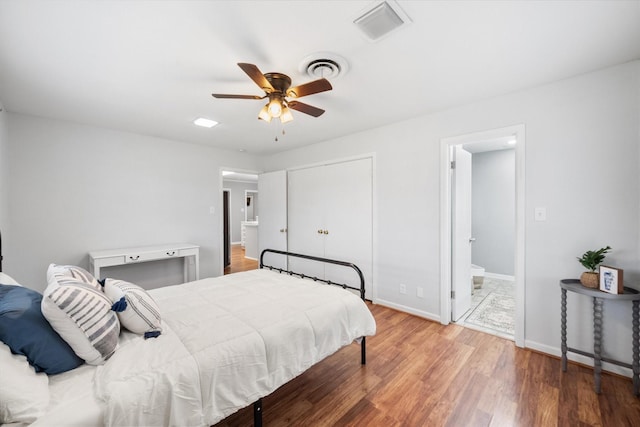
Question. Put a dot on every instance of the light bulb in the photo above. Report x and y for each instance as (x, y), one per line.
(275, 107)
(286, 115)
(264, 114)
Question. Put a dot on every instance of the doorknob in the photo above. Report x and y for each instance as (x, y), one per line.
(319, 231)
(472, 239)
(326, 231)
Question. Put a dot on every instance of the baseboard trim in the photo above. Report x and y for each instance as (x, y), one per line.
(578, 358)
(410, 310)
(500, 276)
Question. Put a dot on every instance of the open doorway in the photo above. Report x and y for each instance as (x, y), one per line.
(491, 237)
(239, 221)
(483, 260)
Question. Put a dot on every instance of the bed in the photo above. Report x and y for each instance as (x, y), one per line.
(226, 343)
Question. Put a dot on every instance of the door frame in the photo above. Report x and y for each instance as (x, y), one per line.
(445, 221)
(226, 231)
(220, 220)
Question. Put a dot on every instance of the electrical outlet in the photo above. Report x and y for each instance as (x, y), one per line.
(419, 292)
(403, 288)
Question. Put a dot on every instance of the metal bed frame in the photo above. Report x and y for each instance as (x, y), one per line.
(257, 406)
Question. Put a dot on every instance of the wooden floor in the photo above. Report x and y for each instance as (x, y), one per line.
(420, 373)
(239, 262)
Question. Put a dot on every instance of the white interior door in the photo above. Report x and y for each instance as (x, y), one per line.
(348, 221)
(461, 233)
(307, 193)
(272, 225)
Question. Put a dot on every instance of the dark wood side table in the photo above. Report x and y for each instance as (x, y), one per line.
(599, 296)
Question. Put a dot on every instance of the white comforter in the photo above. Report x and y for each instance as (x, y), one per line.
(226, 343)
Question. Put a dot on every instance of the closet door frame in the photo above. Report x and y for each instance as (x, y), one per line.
(373, 296)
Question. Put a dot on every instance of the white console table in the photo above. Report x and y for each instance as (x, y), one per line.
(111, 257)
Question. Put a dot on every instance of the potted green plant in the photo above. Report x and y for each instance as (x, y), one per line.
(591, 260)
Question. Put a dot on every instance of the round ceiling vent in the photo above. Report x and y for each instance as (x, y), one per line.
(324, 64)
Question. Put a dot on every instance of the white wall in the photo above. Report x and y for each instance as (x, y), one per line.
(581, 164)
(493, 195)
(77, 188)
(237, 203)
(4, 177)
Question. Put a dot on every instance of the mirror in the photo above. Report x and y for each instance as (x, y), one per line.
(251, 205)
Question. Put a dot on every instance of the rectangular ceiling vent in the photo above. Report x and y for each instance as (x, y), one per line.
(381, 20)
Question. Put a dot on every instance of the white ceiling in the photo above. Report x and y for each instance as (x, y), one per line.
(150, 66)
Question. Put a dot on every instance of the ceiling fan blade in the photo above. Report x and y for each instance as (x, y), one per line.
(316, 86)
(257, 76)
(305, 108)
(222, 95)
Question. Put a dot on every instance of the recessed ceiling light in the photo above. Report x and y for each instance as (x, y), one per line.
(206, 123)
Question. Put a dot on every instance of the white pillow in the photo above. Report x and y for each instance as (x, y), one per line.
(81, 314)
(24, 395)
(73, 272)
(141, 314)
(5, 279)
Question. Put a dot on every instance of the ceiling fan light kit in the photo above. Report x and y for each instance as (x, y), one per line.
(277, 89)
(275, 107)
(286, 115)
(264, 114)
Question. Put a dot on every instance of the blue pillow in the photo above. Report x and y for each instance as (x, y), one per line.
(25, 330)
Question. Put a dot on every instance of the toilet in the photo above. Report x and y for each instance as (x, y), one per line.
(477, 274)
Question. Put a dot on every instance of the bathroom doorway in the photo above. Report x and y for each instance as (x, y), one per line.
(491, 246)
(492, 242)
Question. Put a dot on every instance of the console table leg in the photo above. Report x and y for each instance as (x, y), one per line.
(636, 347)
(563, 329)
(597, 342)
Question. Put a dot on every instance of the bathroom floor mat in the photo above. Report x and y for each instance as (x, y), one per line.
(496, 311)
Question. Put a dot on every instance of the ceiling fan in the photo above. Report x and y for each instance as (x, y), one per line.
(276, 87)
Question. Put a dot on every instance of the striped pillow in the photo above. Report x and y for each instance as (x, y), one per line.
(80, 313)
(73, 272)
(141, 314)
